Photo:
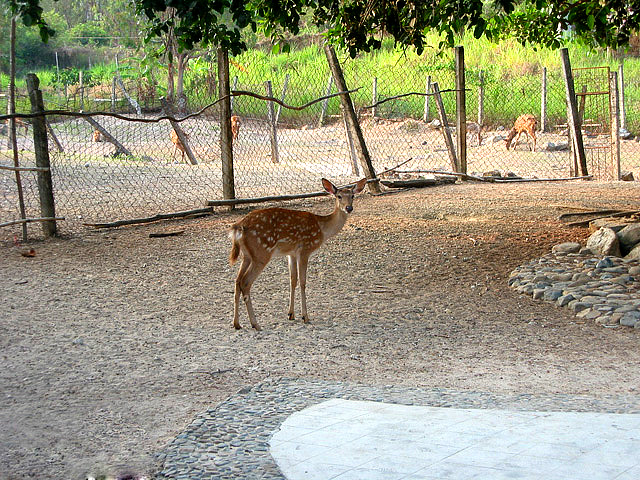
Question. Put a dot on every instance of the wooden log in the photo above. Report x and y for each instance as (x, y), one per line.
(564, 216)
(416, 183)
(155, 218)
(30, 220)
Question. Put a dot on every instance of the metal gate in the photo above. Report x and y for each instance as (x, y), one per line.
(596, 92)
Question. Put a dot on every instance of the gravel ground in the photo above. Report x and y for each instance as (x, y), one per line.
(112, 342)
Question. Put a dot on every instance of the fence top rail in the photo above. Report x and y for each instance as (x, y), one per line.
(234, 93)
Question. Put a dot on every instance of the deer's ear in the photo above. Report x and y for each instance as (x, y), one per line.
(360, 186)
(329, 187)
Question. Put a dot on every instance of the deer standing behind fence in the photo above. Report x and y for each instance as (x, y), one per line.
(274, 232)
(177, 144)
(525, 123)
(235, 126)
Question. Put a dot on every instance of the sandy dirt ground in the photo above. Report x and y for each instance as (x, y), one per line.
(111, 341)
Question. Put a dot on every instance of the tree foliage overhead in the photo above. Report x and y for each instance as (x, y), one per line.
(358, 25)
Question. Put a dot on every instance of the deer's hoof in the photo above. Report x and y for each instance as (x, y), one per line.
(291, 316)
(237, 326)
(257, 327)
(305, 319)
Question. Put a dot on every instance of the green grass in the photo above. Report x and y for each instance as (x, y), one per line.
(512, 80)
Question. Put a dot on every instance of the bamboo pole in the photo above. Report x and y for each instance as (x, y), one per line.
(282, 97)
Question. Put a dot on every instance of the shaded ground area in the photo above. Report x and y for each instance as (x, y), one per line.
(112, 341)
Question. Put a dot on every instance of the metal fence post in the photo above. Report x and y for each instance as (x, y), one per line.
(427, 89)
(273, 132)
(226, 140)
(543, 101)
(615, 125)
(45, 184)
(621, 102)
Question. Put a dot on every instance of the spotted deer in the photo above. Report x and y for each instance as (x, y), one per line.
(525, 123)
(177, 144)
(275, 232)
(235, 126)
(97, 136)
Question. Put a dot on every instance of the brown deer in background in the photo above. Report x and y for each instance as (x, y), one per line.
(177, 144)
(525, 123)
(276, 232)
(97, 136)
(235, 126)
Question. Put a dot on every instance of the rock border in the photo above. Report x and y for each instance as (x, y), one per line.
(231, 440)
(605, 289)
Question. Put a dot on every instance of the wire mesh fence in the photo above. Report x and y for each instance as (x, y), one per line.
(139, 169)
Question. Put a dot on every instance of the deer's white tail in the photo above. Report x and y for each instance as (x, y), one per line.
(235, 234)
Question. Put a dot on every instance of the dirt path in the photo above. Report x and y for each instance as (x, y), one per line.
(112, 342)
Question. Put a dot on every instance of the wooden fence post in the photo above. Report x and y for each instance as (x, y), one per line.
(427, 89)
(352, 148)
(446, 133)
(543, 102)
(226, 139)
(573, 115)
(615, 125)
(325, 102)
(351, 118)
(461, 110)
(620, 87)
(233, 87)
(45, 183)
(273, 131)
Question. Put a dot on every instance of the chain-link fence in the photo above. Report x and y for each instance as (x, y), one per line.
(106, 168)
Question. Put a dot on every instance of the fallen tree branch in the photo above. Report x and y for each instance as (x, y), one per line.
(166, 234)
(155, 218)
(515, 180)
(585, 223)
(589, 212)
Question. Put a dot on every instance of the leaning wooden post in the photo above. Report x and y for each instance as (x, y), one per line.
(446, 133)
(543, 101)
(461, 110)
(273, 131)
(45, 183)
(427, 90)
(615, 125)
(226, 139)
(622, 108)
(351, 118)
(573, 116)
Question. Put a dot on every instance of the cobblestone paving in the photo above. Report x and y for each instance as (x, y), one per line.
(231, 440)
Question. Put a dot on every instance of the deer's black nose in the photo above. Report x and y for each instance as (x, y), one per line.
(348, 208)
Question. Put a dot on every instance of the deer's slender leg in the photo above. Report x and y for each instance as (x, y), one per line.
(293, 282)
(251, 274)
(238, 290)
(303, 260)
